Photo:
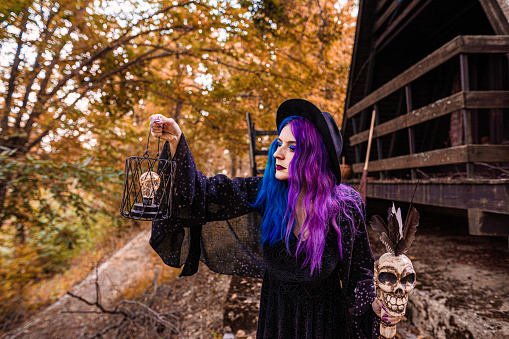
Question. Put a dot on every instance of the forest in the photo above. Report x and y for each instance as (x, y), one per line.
(79, 80)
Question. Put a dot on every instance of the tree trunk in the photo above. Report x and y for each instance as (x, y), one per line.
(3, 192)
(233, 158)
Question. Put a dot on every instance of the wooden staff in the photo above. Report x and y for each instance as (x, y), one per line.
(364, 179)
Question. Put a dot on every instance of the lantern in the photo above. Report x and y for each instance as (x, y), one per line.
(148, 183)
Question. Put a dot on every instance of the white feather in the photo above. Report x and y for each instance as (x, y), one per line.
(399, 219)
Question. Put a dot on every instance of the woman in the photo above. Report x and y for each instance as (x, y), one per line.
(316, 260)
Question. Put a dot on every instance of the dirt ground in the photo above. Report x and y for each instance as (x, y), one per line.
(461, 292)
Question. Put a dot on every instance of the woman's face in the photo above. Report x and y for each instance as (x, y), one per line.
(284, 153)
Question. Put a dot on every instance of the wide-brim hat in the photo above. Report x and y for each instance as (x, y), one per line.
(324, 123)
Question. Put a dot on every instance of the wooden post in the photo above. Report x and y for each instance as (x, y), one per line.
(467, 121)
(411, 134)
(252, 144)
(356, 147)
(379, 141)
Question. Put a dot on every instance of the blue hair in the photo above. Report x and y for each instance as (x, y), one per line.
(274, 210)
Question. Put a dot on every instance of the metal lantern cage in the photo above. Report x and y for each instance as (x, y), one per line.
(148, 183)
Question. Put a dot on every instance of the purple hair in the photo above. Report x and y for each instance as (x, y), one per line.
(326, 204)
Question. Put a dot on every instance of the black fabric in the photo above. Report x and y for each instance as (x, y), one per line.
(212, 221)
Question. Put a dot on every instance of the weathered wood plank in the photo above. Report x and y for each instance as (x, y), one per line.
(488, 153)
(447, 105)
(261, 152)
(252, 143)
(380, 4)
(486, 99)
(464, 195)
(495, 16)
(446, 156)
(385, 15)
(486, 223)
(415, 4)
(437, 109)
(485, 44)
(262, 132)
(460, 44)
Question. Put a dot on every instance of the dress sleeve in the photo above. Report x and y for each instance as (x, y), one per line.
(211, 221)
(360, 288)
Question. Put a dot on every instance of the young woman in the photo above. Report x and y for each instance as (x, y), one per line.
(311, 244)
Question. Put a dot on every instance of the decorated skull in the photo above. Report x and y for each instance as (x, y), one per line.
(394, 279)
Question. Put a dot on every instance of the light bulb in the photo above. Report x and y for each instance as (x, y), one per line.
(149, 182)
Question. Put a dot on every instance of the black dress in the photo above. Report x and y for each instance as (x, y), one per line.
(213, 222)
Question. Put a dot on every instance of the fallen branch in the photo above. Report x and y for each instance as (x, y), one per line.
(133, 314)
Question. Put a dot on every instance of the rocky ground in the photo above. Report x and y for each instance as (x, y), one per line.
(462, 292)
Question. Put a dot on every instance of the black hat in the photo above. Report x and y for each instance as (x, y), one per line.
(324, 123)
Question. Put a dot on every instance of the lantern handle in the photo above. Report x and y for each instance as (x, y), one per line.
(145, 155)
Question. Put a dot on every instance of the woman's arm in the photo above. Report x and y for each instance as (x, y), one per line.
(196, 198)
(226, 246)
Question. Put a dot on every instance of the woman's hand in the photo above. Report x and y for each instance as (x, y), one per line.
(380, 311)
(166, 129)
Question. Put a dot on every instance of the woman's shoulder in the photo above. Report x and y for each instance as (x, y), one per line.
(349, 196)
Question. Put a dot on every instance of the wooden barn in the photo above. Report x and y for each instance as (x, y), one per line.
(436, 75)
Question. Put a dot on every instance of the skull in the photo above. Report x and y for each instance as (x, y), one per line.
(394, 279)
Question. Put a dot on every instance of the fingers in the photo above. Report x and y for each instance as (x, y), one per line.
(164, 128)
(377, 307)
(382, 312)
(387, 318)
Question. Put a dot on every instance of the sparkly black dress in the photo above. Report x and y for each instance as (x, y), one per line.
(212, 222)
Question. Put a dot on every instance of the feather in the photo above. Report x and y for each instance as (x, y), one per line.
(400, 222)
(396, 236)
(389, 245)
(393, 226)
(401, 247)
(411, 227)
(377, 224)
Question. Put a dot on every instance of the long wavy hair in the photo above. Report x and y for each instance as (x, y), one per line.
(326, 204)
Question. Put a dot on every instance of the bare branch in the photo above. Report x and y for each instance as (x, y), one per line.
(14, 72)
(50, 126)
(98, 305)
(46, 34)
(154, 313)
(141, 314)
(49, 70)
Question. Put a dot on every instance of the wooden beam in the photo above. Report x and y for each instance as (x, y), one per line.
(496, 17)
(485, 44)
(380, 4)
(411, 134)
(486, 99)
(261, 132)
(452, 155)
(486, 223)
(487, 195)
(447, 105)
(389, 12)
(467, 118)
(487, 153)
(394, 24)
(439, 108)
(460, 44)
(261, 152)
(252, 143)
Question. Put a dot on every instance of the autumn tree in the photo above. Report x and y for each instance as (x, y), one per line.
(80, 78)
(293, 49)
(73, 69)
